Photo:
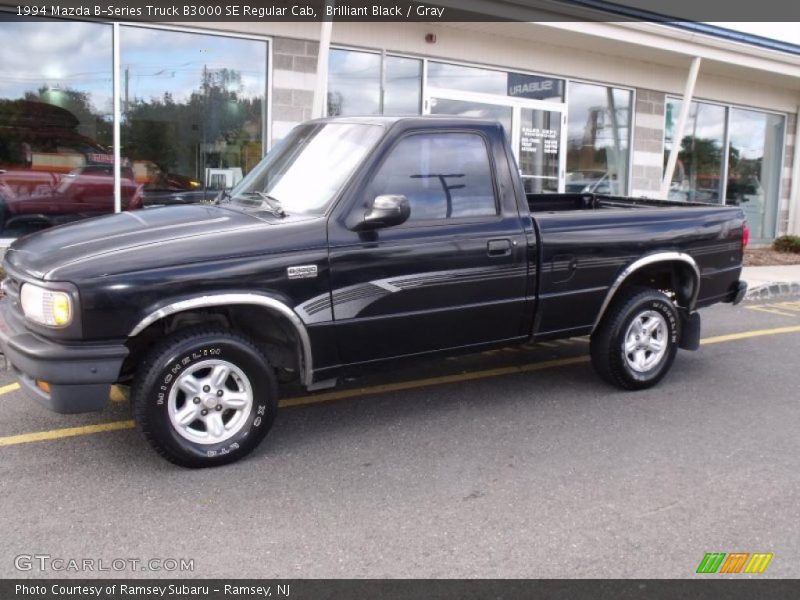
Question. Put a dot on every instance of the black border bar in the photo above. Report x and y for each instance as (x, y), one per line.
(784, 11)
(704, 587)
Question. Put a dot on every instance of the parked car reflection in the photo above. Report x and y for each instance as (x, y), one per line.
(50, 173)
(591, 181)
(83, 192)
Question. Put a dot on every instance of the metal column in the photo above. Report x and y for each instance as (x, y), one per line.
(677, 134)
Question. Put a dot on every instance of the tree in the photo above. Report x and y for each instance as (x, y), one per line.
(90, 123)
(211, 128)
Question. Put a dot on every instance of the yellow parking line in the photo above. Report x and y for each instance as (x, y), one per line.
(792, 306)
(772, 311)
(54, 434)
(382, 388)
(749, 334)
(11, 387)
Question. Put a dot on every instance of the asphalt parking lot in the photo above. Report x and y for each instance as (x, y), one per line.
(513, 463)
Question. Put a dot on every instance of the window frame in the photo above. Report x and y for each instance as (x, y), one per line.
(723, 190)
(725, 169)
(383, 54)
(477, 219)
(266, 111)
(631, 124)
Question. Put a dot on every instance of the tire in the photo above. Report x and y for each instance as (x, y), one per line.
(625, 360)
(231, 416)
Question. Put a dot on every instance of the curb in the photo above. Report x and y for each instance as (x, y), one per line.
(767, 291)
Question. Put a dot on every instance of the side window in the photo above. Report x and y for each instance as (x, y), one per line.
(443, 175)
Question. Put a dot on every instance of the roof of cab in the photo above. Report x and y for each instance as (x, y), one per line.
(387, 121)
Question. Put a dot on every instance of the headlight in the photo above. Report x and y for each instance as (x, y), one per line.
(47, 307)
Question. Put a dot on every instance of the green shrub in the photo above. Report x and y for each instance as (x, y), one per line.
(787, 243)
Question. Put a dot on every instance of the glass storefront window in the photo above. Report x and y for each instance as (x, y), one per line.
(488, 81)
(540, 137)
(192, 111)
(192, 119)
(598, 134)
(468, 79)
(56, 116)
(752, 160)
(698, 172)
(477, 110)
(402, 94)
(754, 163)
(354, 84)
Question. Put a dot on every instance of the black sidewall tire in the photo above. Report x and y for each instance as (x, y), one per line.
(151, 399)
(654, 375)
(607, 342)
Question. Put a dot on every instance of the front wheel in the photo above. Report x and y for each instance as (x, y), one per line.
(635, 344)
(204, 397)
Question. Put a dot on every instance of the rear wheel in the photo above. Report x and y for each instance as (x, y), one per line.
(204, 397)
(635, 344)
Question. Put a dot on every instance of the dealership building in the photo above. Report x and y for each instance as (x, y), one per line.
(588, 106)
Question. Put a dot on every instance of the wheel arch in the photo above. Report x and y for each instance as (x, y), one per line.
(230, 300)
(683, 268)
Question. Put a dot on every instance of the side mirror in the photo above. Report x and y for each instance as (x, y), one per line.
(386, 211)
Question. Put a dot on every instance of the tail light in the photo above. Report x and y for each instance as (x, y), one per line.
(745, 236)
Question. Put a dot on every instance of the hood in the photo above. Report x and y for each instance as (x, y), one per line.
(143, 239)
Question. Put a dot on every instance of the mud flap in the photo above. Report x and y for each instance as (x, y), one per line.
(690, 331)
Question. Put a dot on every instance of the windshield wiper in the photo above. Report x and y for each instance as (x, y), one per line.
(271, 203)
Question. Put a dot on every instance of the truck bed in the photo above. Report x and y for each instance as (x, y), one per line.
(560, 202)
(585, 241)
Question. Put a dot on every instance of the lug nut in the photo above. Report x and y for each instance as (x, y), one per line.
(204, 412)
(219, 393)
(196, 400)
(219, 406)
(206, 388)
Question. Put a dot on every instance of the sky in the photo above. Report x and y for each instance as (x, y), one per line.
(78, 56)
(785, 32)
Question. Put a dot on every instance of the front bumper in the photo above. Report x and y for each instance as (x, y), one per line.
(79, 375)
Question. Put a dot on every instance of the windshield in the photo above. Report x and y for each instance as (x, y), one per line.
(306, 170)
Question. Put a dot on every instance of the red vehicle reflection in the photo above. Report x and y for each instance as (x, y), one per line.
(50, 173)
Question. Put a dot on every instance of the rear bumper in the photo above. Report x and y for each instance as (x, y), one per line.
(739, 292)
(79, 375)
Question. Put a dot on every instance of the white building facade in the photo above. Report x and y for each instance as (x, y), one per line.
(588, 106)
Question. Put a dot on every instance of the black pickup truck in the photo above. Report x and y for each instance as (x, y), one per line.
(356, 241)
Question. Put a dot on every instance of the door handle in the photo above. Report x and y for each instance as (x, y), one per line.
(498, 247)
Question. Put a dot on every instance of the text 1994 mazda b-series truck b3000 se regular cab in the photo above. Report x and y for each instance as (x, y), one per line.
(354, 242)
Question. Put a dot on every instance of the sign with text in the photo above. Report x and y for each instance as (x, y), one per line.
(535, 87)
(536, 139)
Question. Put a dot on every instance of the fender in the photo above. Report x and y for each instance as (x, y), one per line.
(227, 299)
(645, 261)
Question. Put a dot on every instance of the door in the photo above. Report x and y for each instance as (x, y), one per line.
(536, 130)
(453, 275)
